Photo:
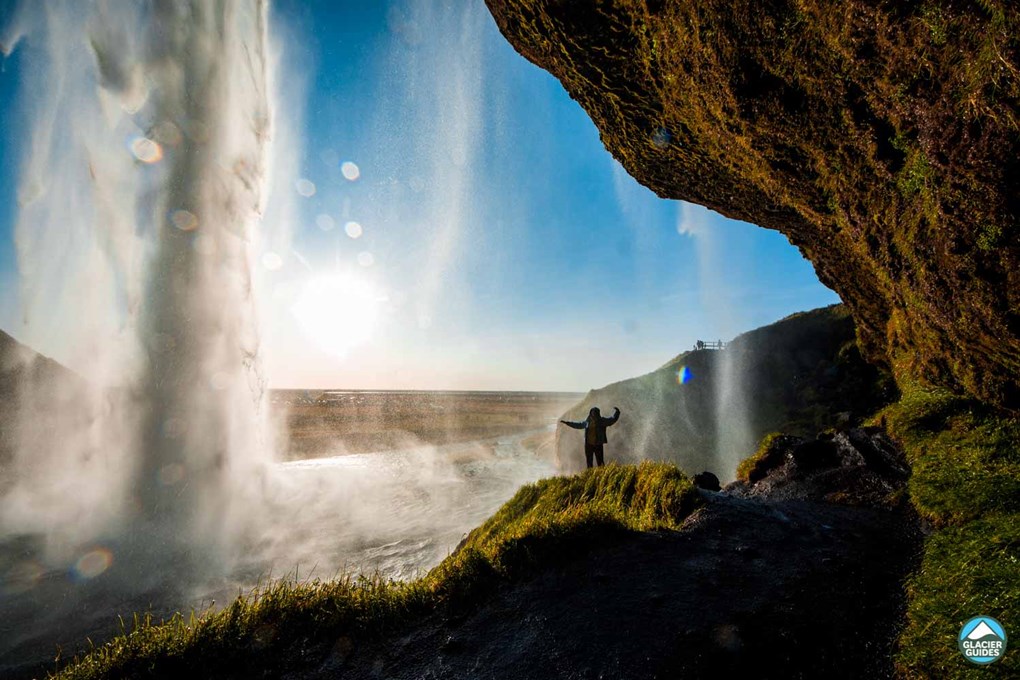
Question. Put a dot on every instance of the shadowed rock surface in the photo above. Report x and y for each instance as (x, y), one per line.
(860, 466)
(766, 580)
(792, 589)
(880, 137)
(706, 480)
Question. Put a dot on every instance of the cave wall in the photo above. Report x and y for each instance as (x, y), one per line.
(880, 137)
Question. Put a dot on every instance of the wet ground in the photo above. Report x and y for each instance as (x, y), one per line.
(749, 588)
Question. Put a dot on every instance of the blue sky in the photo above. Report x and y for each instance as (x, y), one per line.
(503, 246)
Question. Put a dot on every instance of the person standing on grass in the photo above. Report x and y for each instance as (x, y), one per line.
(594, 433)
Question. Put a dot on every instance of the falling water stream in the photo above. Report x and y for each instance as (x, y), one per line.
(140, 205)
(733, 431)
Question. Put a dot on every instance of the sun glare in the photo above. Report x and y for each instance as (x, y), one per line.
(337, 312)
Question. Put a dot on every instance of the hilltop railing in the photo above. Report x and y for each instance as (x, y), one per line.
(703, 344)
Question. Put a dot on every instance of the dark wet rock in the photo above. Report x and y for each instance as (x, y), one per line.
(860, 466)
(706, 480)
(749, 588)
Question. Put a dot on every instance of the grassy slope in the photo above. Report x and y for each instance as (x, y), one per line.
(286, 626)
(966, 482)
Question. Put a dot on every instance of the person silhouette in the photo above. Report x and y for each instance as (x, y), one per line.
(594, 427)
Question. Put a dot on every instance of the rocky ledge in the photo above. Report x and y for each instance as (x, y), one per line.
(859, 466)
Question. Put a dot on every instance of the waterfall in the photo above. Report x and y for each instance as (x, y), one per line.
(141, 197)
(732, 414)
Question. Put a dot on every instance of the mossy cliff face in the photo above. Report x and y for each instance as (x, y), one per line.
(882, 138)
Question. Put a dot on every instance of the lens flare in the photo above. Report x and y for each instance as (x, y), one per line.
(325, 222)
(220, 380)
(146, 150)
(684, 375)
(92, 564)
(184, 220)
(173, 428)
(22, 577)
(272, 261)
(353, 229)
(171, 474)
(167, 133)
(351, 171)
(305, 187)
(366, 259)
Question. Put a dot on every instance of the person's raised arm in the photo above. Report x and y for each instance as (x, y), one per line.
(612, 419)
(576, 426)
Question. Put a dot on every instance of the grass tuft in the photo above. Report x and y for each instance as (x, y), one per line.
(964, 456)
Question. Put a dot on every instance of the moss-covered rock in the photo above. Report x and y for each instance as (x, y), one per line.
(881, 138)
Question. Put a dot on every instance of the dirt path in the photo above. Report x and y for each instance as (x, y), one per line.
(749, 589)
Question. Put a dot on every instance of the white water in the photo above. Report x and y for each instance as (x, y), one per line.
(402, 511)
(141, 198)
(148, 188)
(145, 195)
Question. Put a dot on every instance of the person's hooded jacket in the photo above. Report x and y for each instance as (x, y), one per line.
(594, 426)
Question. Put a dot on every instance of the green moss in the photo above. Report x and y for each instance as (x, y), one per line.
(964, 456)
(989, 236)
(286, 626)
(643, 497)
(967, 570)
(966, 480)
(751, 468)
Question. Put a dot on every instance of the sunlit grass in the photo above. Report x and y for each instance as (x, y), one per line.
(286, 626)
(966, 481)
(753, 468)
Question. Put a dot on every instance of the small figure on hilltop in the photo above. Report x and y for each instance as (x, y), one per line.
(594, 433)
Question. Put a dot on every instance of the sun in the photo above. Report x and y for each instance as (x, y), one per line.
(337, 312)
